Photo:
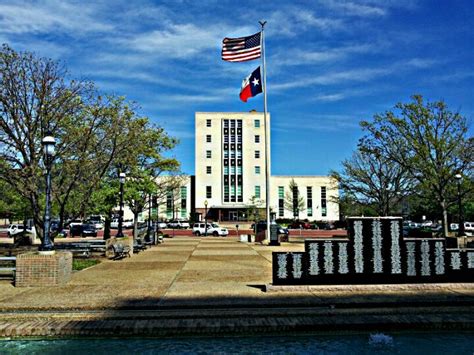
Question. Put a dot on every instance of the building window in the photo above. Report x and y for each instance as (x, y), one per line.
(226, 170)
(208, 154)
(257, 138)
(226, 193)
(281, 196)
(257, 191)
(208, 138)
(184, 194)
(324, 211)
(208, 191)
(257, 170)
(208, 170)
(208, 123)
(257, 123)
(257, 154)
(309, 201)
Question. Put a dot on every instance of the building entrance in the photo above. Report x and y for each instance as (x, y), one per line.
(233, 216)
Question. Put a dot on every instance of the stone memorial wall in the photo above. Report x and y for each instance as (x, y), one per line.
(375, 252)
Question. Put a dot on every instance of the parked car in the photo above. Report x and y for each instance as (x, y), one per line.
(14, 229)
(54, 227)
(299, 225)
(212, 229)
(114, 223)
(97, 221)
(323, 225)
(88, 230)
(427, 223)
(127, 223)
(178, 224)
(74, 222)
(469, 228)
(83, 230)
(75, 230)
(161, 225)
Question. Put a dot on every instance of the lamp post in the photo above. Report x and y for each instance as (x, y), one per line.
(122, 177)
(458, 177)
(205, 218)
(47, 247)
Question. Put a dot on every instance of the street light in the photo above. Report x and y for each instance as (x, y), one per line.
(458, 177)
(122, 177)
(205, 217)
(47, 247)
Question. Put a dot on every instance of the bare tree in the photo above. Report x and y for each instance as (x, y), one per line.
(371, 179)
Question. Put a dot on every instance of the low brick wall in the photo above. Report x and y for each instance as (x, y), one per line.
(36, 270)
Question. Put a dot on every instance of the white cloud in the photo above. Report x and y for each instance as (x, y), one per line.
(49, 16)
(330, 97)
(354, 75)
(300, 57)
(182, 40)
(293, 21)
(352, 8)
(320, 122)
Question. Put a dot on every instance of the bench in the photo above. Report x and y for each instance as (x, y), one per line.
(138, 246)
(120, 251)
(10, 270)
(77, 249)
(97, 246)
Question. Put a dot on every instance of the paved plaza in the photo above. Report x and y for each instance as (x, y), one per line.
(196, 284)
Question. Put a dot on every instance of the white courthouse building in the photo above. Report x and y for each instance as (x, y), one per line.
(230, 171)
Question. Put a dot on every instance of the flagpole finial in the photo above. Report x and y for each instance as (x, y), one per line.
(262, 23)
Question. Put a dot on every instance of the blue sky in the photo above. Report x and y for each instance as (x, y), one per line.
(330, 63)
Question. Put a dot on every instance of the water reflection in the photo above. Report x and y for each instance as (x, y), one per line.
(346, 343)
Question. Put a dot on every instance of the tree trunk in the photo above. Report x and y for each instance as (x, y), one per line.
(107, 225)
(135, 225)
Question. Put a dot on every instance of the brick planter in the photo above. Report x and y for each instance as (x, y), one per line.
(36, 270)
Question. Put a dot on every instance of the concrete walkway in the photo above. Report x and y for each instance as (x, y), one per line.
(209, 285)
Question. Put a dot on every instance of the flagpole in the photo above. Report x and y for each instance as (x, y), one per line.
(267, 159)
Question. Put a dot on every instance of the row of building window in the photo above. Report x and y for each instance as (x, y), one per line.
(309, 201)
(232, 170)
(232, 138)
(232, 123)
(232, 154)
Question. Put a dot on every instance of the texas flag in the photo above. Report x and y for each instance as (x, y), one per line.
(251, 85)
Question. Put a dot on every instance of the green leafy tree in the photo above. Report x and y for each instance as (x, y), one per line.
(94, 135)
(146, 163)
(35, 99)
(255, 210)
(428, 141)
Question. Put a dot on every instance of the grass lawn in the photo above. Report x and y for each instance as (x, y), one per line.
(80, 264)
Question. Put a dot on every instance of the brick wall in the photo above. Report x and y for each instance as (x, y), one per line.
(36, 270)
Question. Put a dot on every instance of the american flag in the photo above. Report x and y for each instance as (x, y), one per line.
(241, 49)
